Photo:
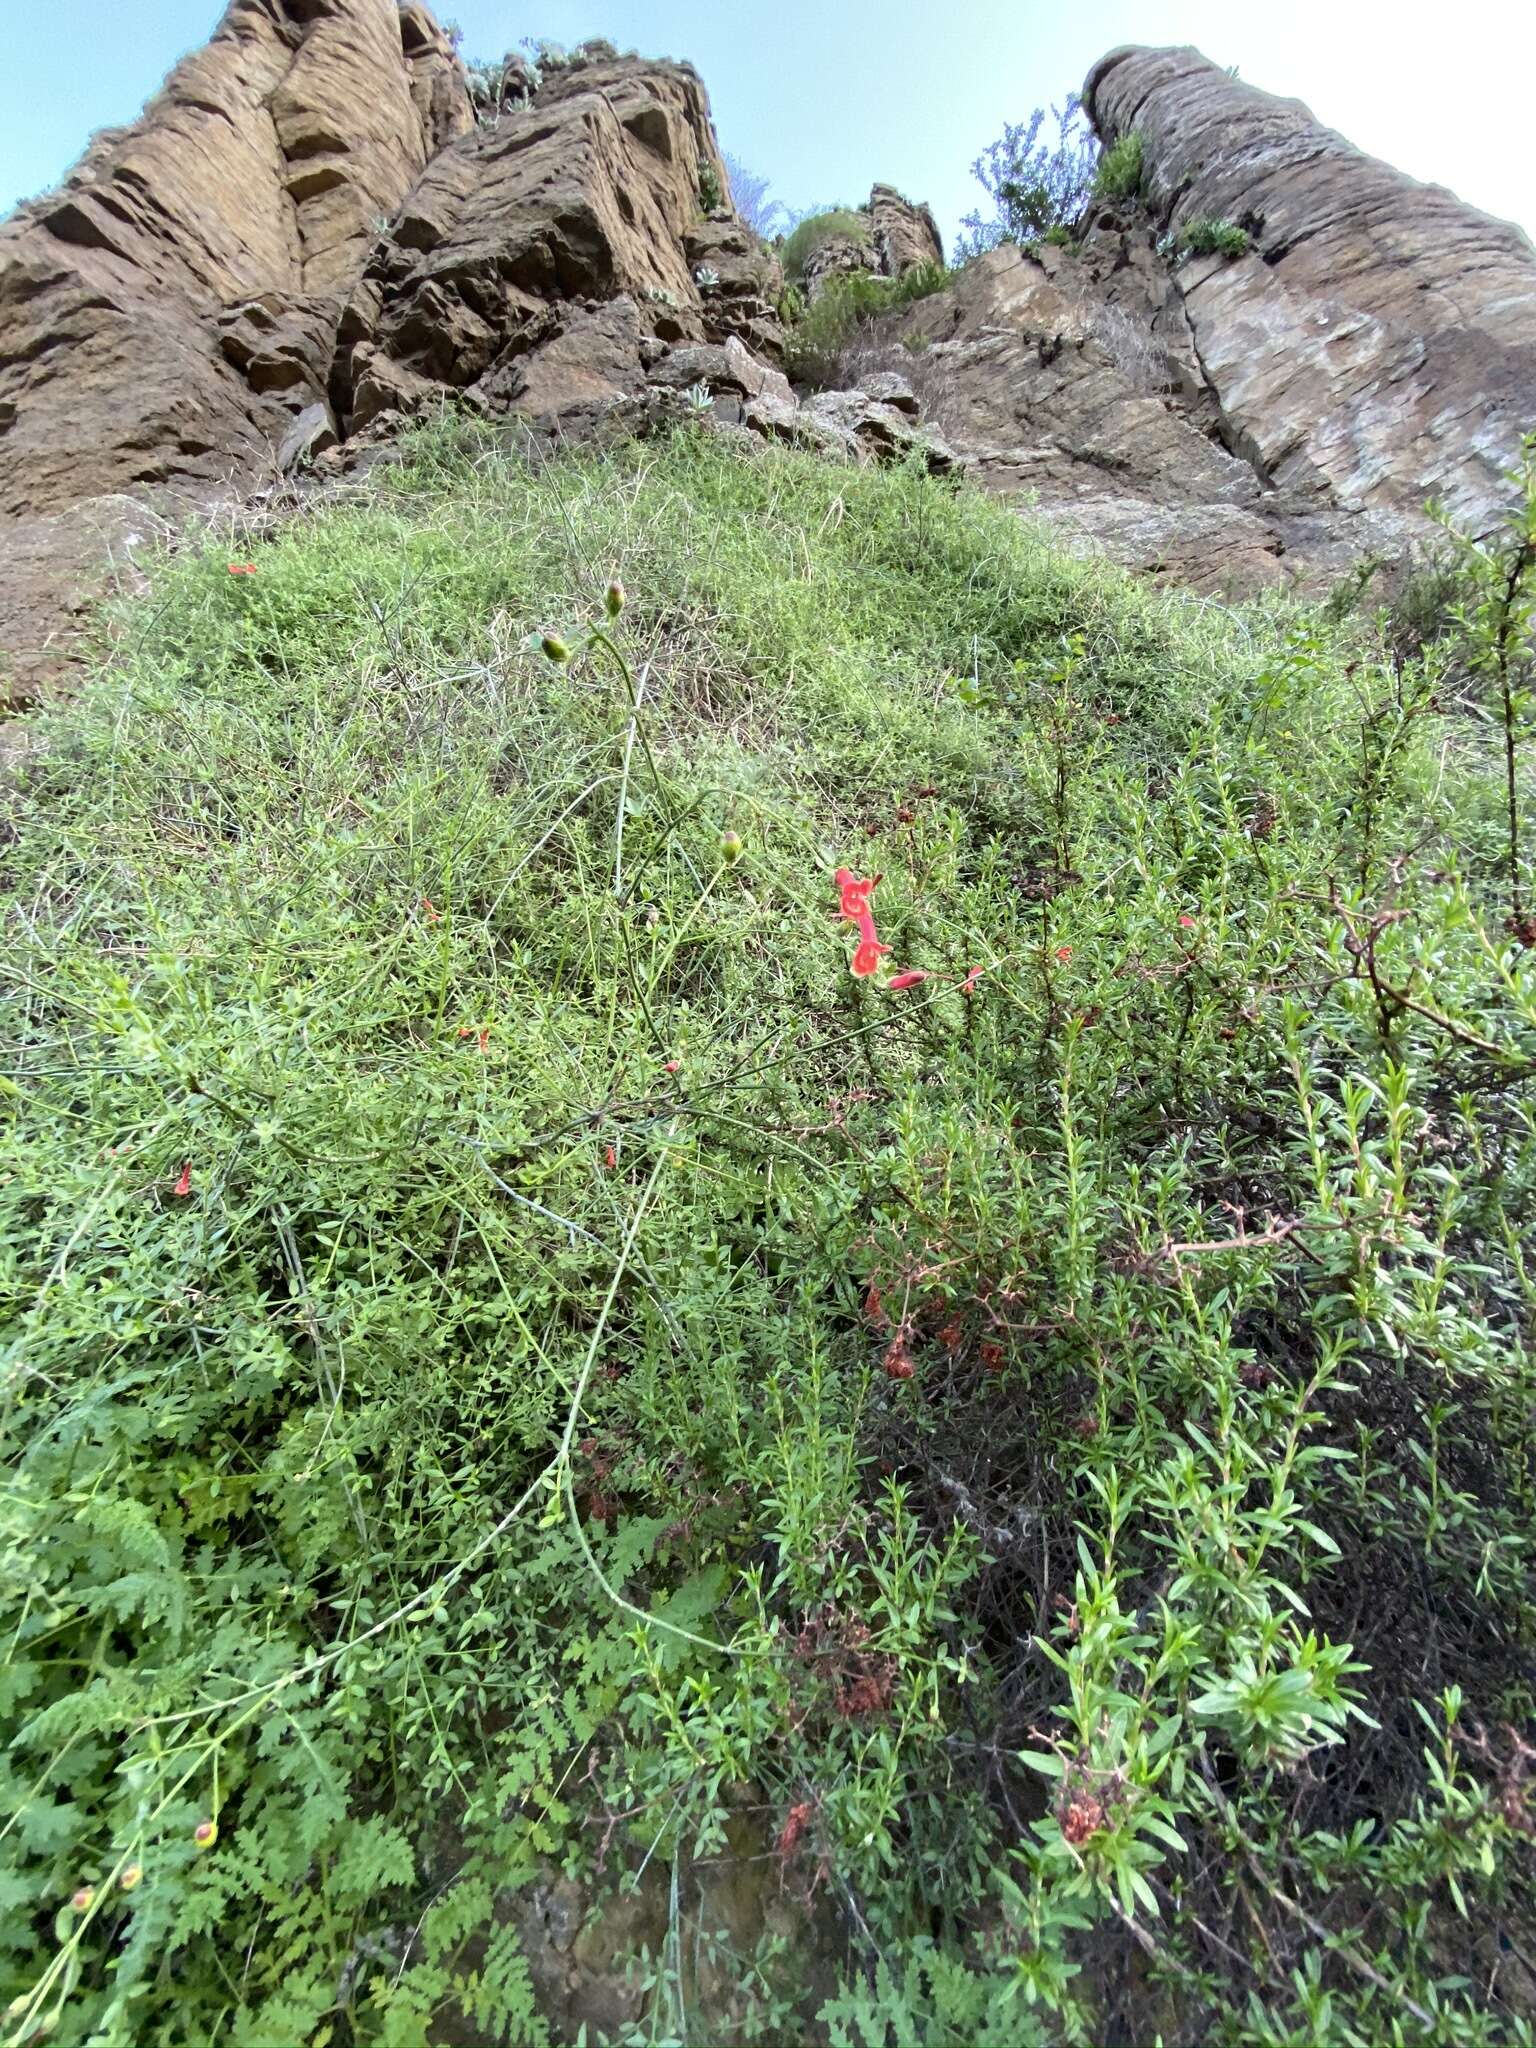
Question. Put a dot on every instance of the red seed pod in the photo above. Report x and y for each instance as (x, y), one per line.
(898, 1360)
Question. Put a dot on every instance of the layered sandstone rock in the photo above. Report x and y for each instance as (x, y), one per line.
(1378, 346)
(176, 298)
(307, 237)
(589, 193)
(168, 310)
(1240, 423)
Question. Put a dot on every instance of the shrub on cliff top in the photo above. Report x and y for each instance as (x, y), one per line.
(520, 1367)
(1034, 186)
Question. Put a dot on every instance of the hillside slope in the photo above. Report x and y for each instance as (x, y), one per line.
(574, 1461)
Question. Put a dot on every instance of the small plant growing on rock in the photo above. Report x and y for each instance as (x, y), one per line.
(705, 278)
(1119, 173)
(1206, 237)
(711, 194)
(815, 231)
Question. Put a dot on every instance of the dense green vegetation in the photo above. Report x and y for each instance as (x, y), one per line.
(518, 1362)
(846, 310)
(837, 223)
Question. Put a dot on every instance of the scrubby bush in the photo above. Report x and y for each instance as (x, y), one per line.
(1034, 187)
(833, 224)
(820, 335)
(1118, 175)
(1205, 237)
(516, 1358)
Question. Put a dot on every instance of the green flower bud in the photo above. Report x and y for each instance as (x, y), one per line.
(613, 598)
(554, 647)
(731, 848)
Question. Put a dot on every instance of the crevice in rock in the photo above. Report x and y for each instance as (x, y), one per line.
(1223, 429)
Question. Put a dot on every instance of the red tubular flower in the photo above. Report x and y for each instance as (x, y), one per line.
(866, 956)
(242, 568)
(1186, 922)
(433, 914)
(1063, 954)
(484, 1036)
(611, 1158)
(184, 1182)
(910, 979)
(853, 895)
(968, 986)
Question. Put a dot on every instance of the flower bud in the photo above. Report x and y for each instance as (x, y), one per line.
(206, 1833)
(132, 1877)
(731, 848)
(84, 1898)
(613, 598)
(554, 647)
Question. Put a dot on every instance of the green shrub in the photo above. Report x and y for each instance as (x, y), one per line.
(514, 1357)
(1204, 237)
(1058, 237)
(1035, 188)
(1119, 173)
(837, 224)
(820, 333)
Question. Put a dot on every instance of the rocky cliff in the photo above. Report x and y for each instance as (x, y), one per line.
(308, 235)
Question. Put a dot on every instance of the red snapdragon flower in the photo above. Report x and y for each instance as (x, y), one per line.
(853, 894)
(1187, 922)
(611, 1157)
(910, 979)
(1063, 954)
(184, 1182)
(242, 568)
(968, 986)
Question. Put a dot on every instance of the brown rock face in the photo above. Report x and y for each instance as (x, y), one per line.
(904, 235)
(589, 193)
(1378, 346)
(173, 304)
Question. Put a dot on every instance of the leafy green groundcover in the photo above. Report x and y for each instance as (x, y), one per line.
(514, 1353)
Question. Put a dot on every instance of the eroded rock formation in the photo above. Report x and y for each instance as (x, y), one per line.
(309, 235)
(166, 311)
(1378, 344)
(1239, 422)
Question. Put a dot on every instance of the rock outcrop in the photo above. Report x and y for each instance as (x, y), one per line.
(315, 230)
(1237, 422)
(168, 310)
(1378, 345)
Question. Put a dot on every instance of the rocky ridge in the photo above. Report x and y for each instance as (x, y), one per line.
(317, 228)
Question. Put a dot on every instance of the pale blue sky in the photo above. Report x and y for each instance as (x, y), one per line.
(825, 96)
